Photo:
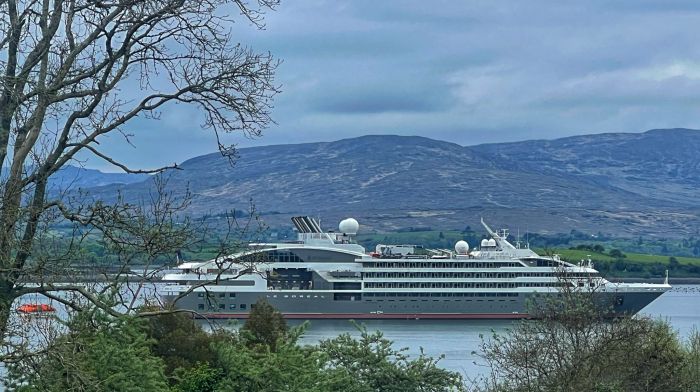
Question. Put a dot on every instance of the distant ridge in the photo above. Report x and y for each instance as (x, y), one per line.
(80, 177)
(74, 177)
(630, 183)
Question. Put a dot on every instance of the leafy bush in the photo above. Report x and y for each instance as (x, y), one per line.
(99, 353)
(371, 363)
(573, 345)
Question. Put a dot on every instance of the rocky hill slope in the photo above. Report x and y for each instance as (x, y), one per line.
(630, 184)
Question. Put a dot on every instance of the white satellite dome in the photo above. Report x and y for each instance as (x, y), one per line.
(484, 243)
(462, 247)
(492, 243)
(349, 226)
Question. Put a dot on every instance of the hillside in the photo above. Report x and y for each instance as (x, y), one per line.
(629, 184)
(80, 177)
(663, 164)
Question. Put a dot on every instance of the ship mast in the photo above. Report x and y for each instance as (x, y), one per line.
(501, 240)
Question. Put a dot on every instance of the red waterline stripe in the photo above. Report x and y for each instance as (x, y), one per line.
(401, 316)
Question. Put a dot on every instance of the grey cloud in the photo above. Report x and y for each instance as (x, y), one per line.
(369, 91)
(377, 103)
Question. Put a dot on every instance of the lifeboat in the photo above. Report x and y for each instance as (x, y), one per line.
(36, 308)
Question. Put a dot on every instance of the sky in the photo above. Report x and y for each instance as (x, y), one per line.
(468, 72)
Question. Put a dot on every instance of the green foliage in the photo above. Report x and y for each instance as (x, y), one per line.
(673, 263)
(265, 356)
(102, 354)
(265, 326)
(200, 378)
(181, 343)
(633, 265)
(572, 346)
(692, 352)
(371, 363)
(597, 248)
(290, 368)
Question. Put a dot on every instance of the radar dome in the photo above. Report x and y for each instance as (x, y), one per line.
(349, 226)
(492, 242)
(462, 247)
(484, 243)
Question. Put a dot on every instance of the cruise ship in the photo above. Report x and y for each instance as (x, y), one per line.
(326, 274)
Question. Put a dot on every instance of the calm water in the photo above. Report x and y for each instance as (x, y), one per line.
(457, 339)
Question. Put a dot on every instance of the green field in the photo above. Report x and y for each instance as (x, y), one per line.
(575, 255)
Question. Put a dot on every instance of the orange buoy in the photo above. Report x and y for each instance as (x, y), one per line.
(36, 308)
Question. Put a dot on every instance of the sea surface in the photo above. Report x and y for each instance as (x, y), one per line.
(459, 340)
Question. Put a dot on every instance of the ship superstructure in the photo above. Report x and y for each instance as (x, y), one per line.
(328, 275)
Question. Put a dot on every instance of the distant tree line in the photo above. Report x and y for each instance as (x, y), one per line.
(622, 266)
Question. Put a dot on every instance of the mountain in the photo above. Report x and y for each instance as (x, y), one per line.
(629, 184)
(80, 177)
(663, 163)
(73, 177)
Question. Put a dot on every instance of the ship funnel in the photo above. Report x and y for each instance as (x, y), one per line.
(305, 224)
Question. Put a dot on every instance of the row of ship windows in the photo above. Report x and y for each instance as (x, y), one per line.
(214, 306)
(451, 285)
(300, 296)
(441, 294)
(404, 264)
(283, 257)
(271, 257)
(223, 306)
(376, 296)
(220, 295)
(490, 275)
(233, 295)
(440, 300)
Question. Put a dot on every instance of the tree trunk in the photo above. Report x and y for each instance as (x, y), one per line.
(6, 299)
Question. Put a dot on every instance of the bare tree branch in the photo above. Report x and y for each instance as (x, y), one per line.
(125, 168)
(74, 71)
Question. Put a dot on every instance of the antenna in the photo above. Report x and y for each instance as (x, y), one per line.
(527, 237)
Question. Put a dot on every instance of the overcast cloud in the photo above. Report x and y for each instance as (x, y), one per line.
(464, 71)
